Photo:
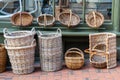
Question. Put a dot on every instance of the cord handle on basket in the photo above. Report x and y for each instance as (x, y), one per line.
(59, 31)
(5, 31)
(33, 30)
(75, 49)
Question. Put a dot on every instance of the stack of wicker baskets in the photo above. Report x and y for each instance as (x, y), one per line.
(50, 46)
(20, 46)
(3, 58)
(74, 58)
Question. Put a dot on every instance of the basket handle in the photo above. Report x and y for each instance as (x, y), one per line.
(59, 31)
(33, 30)
(45, 20)
(33, 42)
(5, 31)
(94, 17)
(39, 33)
(70, 18)
(75, 49)
(90, 52)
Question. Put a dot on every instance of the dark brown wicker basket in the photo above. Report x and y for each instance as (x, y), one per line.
(22, 19)
(46, 20)
(69, 19)
(74, 58)
(94, 19)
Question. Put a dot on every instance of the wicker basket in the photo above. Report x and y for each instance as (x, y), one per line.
(74, 58)
(50, 46)
(94, 19)
(3, 58)
(19, 38)
(46, 20)
(22, 58)
(22, 19)
(69, 19)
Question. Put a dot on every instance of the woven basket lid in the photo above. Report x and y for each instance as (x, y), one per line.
(94, 19)
(22, 19)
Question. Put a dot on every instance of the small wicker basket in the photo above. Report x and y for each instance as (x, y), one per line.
(3, 58)
(94, 19)
(22, 19)
(46, 20)
(74, 58)
(69, 19)
(19, 38)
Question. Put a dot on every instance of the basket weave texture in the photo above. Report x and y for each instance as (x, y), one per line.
(94, 19)
(18, 38)
(104, 43)
(22, 58)
(74, 58)
(3, 58)
(69, 19)
(50, 46)
(46, 20)
(22, 19)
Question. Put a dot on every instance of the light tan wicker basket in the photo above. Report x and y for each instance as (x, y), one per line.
(22, 19)
(69, 19)
(19, 38)
(74, 58)
(46, 20)
(3, 58)
(94, 19)
(50, 46)
(22, 58)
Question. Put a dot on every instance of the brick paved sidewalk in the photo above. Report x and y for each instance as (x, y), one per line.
(86, 73)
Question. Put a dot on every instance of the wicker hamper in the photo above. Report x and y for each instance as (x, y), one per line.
(94, 19)
(22, 19)
(3, 58)
(22, 58)
(50, 46)
(19, 38)
(74, 58)
(46, 20)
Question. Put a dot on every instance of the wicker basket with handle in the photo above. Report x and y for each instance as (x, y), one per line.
(74, 58)
(46, 20)
(22, 58)
(69, 19)
(19, 38)
(94, 19)
(22, 19)
(3, 58)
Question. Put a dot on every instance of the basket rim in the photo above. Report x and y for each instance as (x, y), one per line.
(43, 23)
(68, 13)
(98, 14)
(18, 13)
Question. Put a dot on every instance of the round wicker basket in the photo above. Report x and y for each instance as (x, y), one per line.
(94, 19)
(3, 58)
(22, 19)
(74, 58)
(46, 20)
(69, 19)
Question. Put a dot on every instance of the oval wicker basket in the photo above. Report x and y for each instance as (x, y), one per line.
(74, 58)
(22, 19)
(19, 38)
(94, 19)
(22, 58)
(69, 19)
(3, 58)
(46, 20)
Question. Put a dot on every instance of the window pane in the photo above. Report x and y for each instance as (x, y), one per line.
(8, 7)
(103, 6)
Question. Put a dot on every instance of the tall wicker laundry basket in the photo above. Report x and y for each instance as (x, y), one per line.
(19, 38)
(50, 46)
(3, 58)
(22, 58)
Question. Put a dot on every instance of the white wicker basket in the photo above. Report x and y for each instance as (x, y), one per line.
(22, 58)
(19, 38)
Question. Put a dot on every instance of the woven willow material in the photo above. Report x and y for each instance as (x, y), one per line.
(46, 20)
(22, 19)
(22, 58)
(108, 43)
(74, 58)
(50, 46)
(94, 19)
(3, 58)
(69, 19)
(19, 38)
